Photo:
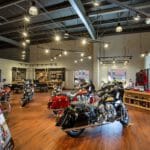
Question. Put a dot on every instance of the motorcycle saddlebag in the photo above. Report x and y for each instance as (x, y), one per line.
(82, 120)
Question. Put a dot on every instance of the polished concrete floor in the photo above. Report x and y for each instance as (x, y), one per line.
(33, 129)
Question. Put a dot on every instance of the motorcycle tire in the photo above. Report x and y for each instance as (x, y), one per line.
(23, 103)
(125, 119)
(75, 133)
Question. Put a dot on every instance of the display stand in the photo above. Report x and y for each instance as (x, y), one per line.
(6, 141)
(137, 99)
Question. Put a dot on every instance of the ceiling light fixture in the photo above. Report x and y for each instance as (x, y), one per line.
(81, 59)
(119, 28)
(24, 44)
(106, 45)
(137, 18)
(60, 55)
(89, 57)
(25, 34)
(96, 3)
(114, 61)
(26, 19)
(33, 10)
(51, 59)
(143, 55)
(147, 20)
(66, 34)
(23, 52)
(75, 61)
(65, 52)
(46, 51)
(126, 62)
(57, 38)
(101, 62)
(84, 41)
(82, 54)
(55, 58)
(23, 55)
(27, 41)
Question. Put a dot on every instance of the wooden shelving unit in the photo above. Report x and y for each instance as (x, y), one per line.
(137, 99)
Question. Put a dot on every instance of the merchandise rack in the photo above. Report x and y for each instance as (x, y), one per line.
(137, 99)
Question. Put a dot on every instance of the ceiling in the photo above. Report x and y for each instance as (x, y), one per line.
(61, 15)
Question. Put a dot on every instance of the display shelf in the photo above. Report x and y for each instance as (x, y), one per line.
(137, 99)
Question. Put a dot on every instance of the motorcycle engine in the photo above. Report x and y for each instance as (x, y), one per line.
(107, 112)
(110, 112)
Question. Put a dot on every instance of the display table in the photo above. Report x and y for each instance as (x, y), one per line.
(137, 99)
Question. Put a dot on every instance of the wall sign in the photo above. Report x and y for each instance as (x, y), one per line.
(117, 74)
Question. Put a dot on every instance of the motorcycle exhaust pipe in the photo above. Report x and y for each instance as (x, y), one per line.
(86, 126)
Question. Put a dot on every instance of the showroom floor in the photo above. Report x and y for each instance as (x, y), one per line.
(33, 129)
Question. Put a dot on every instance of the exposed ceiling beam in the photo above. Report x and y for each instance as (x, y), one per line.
(10, 4)
(116, 10)
(79, 9)
(40, 24)
(52, 8)
(91, 14)
(123, 5)
(10, 41)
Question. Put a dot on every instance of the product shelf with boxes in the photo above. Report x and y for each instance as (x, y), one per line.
(137, 99)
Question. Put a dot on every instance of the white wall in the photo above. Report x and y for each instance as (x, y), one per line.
(6, 68)
(118, 43)
(37, 55)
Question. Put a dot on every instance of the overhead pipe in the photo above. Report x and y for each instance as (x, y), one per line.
(79, 9)
(10, 41)
(123, 5)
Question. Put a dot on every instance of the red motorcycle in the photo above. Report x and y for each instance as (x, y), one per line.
(59, 101)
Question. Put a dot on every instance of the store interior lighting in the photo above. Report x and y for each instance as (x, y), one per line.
(33, 10)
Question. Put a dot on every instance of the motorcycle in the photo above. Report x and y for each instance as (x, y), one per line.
(59, 100)
(4, 100)
(109, 108)
(27, 94)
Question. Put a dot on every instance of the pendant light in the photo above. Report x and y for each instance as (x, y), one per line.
(119, 28)
(137, 18)
(147, 20)
(33, 10)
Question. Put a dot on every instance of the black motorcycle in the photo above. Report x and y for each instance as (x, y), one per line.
(109, 108)
(27, 93)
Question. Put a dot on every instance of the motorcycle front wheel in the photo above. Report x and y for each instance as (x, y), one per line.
(75, 133)
(23, 103)
(125, 117)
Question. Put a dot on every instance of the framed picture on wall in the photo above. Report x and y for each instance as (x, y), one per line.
(117, 74)
(81, 74)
